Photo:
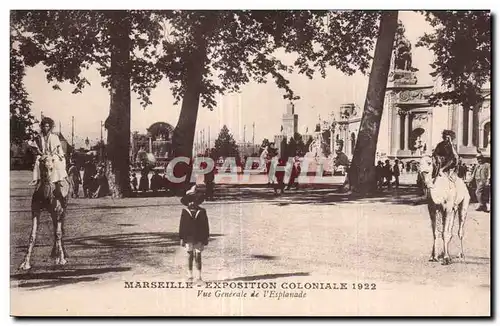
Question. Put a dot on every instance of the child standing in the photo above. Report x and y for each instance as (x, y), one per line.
(193, 230)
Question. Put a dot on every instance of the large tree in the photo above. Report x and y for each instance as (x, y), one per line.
(21, 119)
(204, 53)
(122, 45)
(461, 43)
(210, 52)
(296, 146)
(225, 145)
(362, 177)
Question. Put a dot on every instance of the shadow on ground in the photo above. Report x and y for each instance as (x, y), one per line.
(92, 258)
(266, 276)
(327, 195)
(50, 279)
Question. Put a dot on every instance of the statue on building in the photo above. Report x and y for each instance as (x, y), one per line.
(402, 71)
(402, 50)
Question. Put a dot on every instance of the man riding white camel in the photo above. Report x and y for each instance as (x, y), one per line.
(48, 143)
(446, 155)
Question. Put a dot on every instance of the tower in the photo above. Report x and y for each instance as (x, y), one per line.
(290, 121)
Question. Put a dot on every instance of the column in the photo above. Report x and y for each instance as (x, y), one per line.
(397, 132)
(150, 144)
(394, 130)
(348, 139)
(460, 126)
(346, 143)
(481, 137)
(470, 126)
(429, 140)
(406, 131)
(332, 149)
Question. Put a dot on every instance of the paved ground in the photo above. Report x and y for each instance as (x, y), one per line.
(310, 235)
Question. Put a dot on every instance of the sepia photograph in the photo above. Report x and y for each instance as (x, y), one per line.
(227, 163)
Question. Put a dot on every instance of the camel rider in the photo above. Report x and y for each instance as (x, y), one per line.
(48, 143)
(446, 155)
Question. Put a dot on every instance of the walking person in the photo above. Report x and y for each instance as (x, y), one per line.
(341, 161)
(481, 179)
(462, 171)
(294, 175)
(279, 186)
(194, 230)
(388, 174)
(144, 180)
(133, 180)
(75, 179)
(209, 180)
(89, 171)
(156, 181)
(379, 170)
(396, 173)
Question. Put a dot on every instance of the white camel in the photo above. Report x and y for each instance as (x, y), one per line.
(447, 197)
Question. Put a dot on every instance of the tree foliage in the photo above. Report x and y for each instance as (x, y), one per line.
(296, 146)
(225, 145)
(121, 45)
(461, 42)
(241, 46)
(68, 42)
(21, 119)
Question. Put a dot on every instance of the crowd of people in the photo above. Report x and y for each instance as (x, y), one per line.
(92, 177)
(92, 174)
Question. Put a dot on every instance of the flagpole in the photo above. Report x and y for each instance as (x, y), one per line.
(253, 135)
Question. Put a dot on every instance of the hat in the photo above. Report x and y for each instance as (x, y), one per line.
(192, 196)
(448, 132)
(48, 121)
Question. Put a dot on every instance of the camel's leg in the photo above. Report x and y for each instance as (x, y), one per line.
(58, 219)
(448, 219)
(432, 214)
(439, 231)
(26, 264)
(54, 254)
(462, 215)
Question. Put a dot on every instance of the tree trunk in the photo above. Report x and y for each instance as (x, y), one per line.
(183, 136)
(362, 176)
(118, 121)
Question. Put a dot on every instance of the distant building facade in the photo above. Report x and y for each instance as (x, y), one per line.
(157, 140)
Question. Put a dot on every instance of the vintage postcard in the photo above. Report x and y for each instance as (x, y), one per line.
(250, 163)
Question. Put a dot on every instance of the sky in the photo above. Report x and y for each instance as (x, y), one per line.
(262, 104)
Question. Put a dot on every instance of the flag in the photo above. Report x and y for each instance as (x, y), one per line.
(281, 128)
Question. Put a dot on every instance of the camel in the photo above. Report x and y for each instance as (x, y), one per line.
(44, 198)
(445, 199)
